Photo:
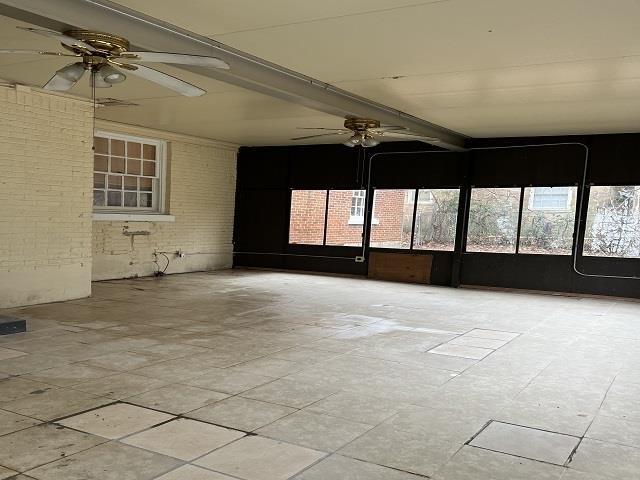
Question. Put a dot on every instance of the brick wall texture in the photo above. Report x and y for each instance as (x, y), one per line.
(308, 210)
(51, 248)
(45, 196)
(201, 195)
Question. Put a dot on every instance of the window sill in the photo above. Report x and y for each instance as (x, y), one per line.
(132, 217)
(360, 221)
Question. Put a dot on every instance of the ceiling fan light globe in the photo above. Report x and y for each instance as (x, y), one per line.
(370, 141)
(111, 75)
(72, 72)
(98, 82)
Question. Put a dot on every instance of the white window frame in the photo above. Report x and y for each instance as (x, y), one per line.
(358, 219)
(157, 211)
(566, 207)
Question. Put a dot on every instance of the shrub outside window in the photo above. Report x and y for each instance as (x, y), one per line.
(548, 220)
(493, 220)
(436, 218)
(613, 222)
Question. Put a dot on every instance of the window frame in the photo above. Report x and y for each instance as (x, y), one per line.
(587, 208)
(356, 219)
(414, 198)
(566, 207)
(520, 215)
(326, 217)
(159, 186)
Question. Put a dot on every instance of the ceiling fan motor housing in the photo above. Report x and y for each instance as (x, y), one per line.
(101, 42)
(360, 124)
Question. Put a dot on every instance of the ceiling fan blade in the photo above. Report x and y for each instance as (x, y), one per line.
(168, 81)
(321, 135)
(322, 128)
(388, 128)
(411, 136)
(66, 39)
(35, 52)
(178, 58)
(59, 83)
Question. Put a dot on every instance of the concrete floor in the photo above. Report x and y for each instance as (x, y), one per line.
(270, 376)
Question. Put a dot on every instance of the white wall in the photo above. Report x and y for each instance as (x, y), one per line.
(45, 200)
(201, 196)
(51, 249)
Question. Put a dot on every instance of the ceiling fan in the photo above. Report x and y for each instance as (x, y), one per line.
(367, 132)
(105, 55)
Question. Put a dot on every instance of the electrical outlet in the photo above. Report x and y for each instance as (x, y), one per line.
(359, 259)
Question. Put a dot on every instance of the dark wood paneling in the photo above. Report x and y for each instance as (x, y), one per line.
(400, 267)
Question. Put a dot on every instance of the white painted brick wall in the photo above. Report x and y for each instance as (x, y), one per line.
(45, 197)
(201, 197)
(48, 241)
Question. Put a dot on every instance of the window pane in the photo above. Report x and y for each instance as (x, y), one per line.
(117, 165)
(117, 148)
(306, 225)
(133, 167)
(436, 218)
(149, 152)
(493, 220)
(98, 180)
(149, 169)
(100, 163)
(98, 198)
(134, 150)
(146, 200)
(392, 218)
(114, 199)
(101, 145)
(130, 183)
(343, 228)
(613, 222)
(548, 219)
(130, 199)
(146, 184)
(115, 182)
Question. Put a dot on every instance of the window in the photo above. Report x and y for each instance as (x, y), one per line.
(493, 220)
(341, 227)
(394, 218)
(548, 220)
(306, 224)
(127, 174)
(358, 206)
(436, 217)
(613, 222)
(550, 198)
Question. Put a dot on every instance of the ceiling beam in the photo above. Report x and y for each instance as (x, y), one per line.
(246, 71)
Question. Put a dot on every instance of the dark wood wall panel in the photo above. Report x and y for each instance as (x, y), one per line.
(266, 176)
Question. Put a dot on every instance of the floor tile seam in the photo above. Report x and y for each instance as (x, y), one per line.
(520, 456)
(25, 472)
(55, 419)
(414, 365)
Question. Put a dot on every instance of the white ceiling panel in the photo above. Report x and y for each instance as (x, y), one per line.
(482, 68)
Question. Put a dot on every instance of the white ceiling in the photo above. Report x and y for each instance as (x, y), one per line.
(482, 68)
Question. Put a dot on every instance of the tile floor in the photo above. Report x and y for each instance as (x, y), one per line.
(257, 375)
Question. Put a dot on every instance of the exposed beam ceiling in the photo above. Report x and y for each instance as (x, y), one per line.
(246, 70)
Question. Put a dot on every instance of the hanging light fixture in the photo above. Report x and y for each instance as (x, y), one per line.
(369, 141)
(111, 75)
(97, 81)
(72, 72)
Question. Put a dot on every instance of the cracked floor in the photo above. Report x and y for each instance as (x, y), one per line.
(260, 375)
